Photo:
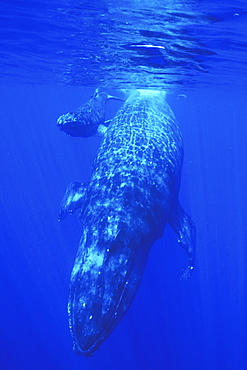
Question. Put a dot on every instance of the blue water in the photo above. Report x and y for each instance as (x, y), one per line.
(52, 56)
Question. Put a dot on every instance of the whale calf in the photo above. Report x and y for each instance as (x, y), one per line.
(132, 194)
(85, 120)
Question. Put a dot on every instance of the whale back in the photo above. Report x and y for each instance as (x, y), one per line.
(140, 158)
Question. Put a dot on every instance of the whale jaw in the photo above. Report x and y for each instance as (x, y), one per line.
(104, 282)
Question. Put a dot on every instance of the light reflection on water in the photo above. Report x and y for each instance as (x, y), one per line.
(101, 43)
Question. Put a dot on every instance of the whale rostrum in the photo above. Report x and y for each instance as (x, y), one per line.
(124, 208)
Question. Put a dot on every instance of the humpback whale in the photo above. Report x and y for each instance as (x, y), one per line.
(124, 208)
(87, 118)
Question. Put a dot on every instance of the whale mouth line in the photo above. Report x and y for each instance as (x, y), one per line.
(116, 316)
(89, 350)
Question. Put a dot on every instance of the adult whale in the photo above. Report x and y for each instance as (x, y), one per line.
(132, 194)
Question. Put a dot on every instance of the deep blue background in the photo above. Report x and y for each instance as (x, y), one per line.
(171, 325)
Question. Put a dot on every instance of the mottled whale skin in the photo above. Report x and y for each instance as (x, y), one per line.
(132, 194)
(84, 121)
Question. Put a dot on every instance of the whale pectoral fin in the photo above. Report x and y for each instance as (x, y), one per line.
(115, 97)
(185, 229)
(107, 122)
(101, 130)
(72, 199)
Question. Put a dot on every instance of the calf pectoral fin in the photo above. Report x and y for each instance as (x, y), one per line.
(72, 199)
(115, 97)
(185, 229)
(102, 128)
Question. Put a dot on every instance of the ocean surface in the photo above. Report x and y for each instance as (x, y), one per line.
(53, 55)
